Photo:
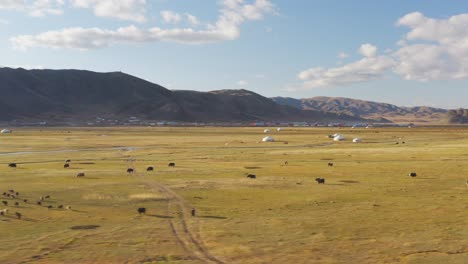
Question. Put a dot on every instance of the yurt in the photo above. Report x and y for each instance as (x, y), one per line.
(279, 129)
(266, 131)
(339, 137)
(357, 140)
(5, 131)
(268, 139)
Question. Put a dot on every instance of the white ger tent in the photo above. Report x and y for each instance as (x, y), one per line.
(357, 140)
(268, 139)
(5, 131)
(266, 131)
(339, 137)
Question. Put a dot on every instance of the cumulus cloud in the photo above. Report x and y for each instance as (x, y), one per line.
(368, 50)
(342, 55)
(232, 15)
(171, 17)
(366, 69)
(193, 20)
(36, 8)
(432, 49)
(132, 10)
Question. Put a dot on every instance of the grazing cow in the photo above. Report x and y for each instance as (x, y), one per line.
(141, 210)
(16, 204)
(252, 176)
(12, 191)
(12, 165)
(5, 202)
(320, 180)
(2, 213)
(41, 198)
(8, 195)
(12, 196)
(68, 207)
(60, 206)
(68, 161)
(412, 174)
(39, 203)
(193, 212)
(330, 164)
(286, 163)
(150, 168)
(81, 174)
(25, 200)
(50, 207)
(17, 193)
(18, 215)
(66, 165)
(47, 196)
(130, 170)
(171, 164)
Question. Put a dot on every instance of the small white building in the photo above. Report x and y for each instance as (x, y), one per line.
(268, 139)
(5, 131)
(357, 140)
(266, 131)
(339, 137)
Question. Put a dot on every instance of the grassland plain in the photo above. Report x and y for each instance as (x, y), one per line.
(369, 210)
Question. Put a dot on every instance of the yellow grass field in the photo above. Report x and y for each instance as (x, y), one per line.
(368, 211)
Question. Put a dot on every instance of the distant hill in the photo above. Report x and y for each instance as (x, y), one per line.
(366, 109)
(78, 95)
(458, 116)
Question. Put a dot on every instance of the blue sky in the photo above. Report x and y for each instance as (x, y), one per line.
(401, 52)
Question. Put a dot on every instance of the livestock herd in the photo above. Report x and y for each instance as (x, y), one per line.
(13, 198)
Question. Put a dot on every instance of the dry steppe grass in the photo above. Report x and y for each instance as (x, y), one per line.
(368, 211)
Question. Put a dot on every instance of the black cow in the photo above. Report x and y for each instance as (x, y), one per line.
(141, 210)
(150, 168)
(66, 165)
(39, 203)
(68, 161)
(5, 202)
(171, 164)
(252, 176)
(130, 170)
(16, 204)
(412, 174)
(286, 163)
(330, 164)
(320, 180)
(193, 211)
(12, 165)
(81, 174)
(60, 206)
(18, 215)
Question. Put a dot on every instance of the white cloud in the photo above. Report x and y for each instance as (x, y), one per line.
(233, 14)
(433, 49)
(366, 69)
(242, 83)
(171, 17)
(260, 76)
(4, 22)
(36, 8)
(440, 51)
(342, 55)
(193, 20)
(132, 10)
(368, 50)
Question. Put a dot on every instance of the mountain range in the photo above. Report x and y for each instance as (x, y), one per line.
(367, 109)
(56, 95)
(78, 95)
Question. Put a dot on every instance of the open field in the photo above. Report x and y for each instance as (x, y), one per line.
(368, 211)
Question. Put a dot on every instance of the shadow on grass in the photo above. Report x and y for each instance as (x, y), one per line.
(337, 184)
(85, 227)
(212, 217)
(346, 181)
(160, 216)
